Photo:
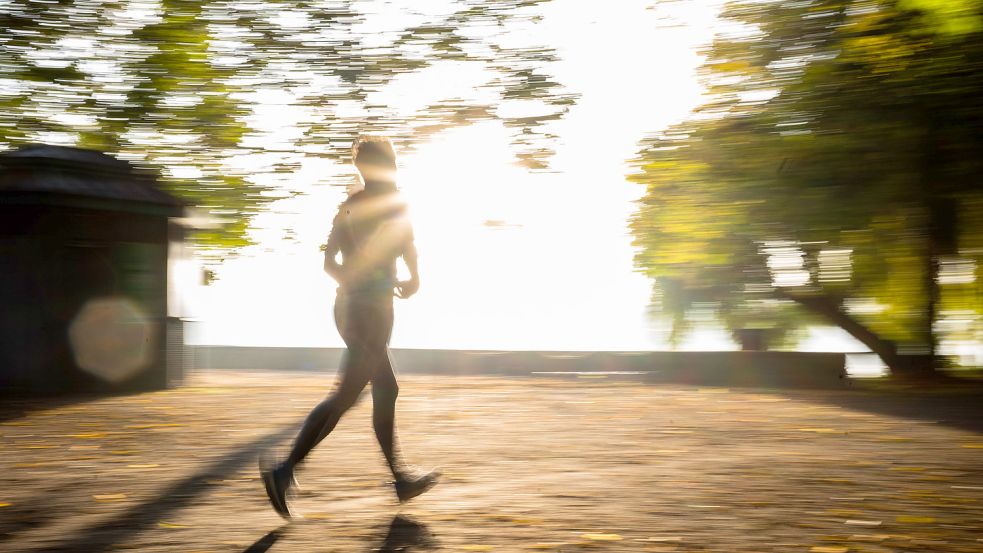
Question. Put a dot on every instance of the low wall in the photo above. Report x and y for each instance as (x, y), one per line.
(719, 368)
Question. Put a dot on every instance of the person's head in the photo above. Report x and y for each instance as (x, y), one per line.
(375, 159)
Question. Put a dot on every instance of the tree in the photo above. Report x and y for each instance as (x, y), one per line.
(834, 168)
(167, 83)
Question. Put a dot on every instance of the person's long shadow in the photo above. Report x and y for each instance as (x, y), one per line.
(179, 494)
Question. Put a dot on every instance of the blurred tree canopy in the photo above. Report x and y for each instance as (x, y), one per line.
(172, 84)
(835, 167)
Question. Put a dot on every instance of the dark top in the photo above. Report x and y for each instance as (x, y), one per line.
(371, 230)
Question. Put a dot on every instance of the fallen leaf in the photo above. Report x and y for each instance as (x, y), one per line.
(109, 497)
(869, 537)
(829, 549)
(602, 537)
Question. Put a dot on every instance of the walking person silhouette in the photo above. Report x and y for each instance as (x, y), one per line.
(371, 231)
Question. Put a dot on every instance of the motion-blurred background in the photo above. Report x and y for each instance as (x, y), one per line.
(644, 175)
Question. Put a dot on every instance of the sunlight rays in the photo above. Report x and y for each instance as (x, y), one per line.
(509, 259)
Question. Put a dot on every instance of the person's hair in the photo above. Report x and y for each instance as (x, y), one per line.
(371, 151)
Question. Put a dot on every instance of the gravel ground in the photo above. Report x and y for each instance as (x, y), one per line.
(575, 464)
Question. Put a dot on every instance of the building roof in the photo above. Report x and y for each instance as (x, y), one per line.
(61, 170)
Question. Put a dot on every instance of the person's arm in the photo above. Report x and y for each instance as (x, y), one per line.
(331, 265)
(409, 287)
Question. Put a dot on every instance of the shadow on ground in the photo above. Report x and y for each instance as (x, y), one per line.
(104, 536)
(13, 407)
(958, 408)
(402, 534)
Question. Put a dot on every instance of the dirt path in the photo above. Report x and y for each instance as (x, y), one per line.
(533, 464)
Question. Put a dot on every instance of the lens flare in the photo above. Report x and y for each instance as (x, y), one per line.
(112, 338)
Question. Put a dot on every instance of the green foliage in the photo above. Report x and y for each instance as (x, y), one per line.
(170, 84)
(833, 131)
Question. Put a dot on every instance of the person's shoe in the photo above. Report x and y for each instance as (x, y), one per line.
(408, 487)
(277, 478)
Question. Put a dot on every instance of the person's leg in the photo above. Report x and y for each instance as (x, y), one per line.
(385, 390)
(356, 371)
(355, 325)
(323, 418)
(384, 386)
(409, 483)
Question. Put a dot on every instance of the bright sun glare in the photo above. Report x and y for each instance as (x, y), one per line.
(509, 259)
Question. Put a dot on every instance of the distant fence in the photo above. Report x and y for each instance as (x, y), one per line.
(722, 368)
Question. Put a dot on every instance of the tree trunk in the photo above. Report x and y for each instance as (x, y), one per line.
(941, 226)
(831, 310)
(933, 228)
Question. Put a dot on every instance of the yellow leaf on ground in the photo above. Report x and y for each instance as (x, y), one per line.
(149, 466)
(973, 446)
(5, 504)
(109, 497)
(602, 537)
(829, 549)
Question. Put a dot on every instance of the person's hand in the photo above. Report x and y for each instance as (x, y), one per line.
(407, 288)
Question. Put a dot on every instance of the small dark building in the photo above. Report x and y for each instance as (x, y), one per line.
(84, 241)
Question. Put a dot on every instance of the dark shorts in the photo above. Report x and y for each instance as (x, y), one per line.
(364, 320)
